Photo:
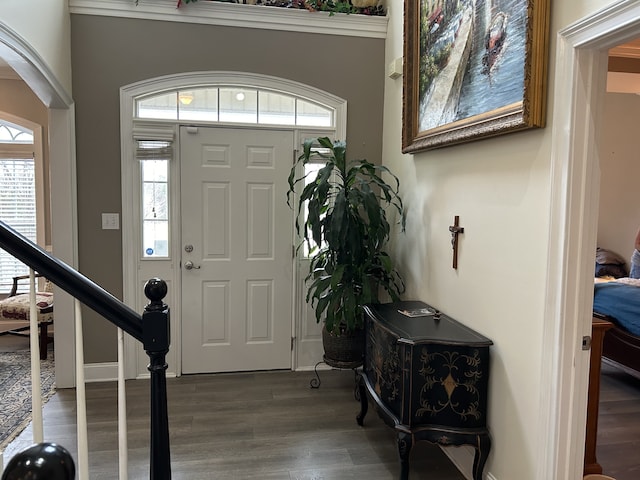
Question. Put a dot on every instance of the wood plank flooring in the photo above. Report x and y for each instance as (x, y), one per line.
(272, 426)
(619, 424)
(268, 426)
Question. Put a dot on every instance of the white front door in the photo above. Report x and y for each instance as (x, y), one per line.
(236, 249)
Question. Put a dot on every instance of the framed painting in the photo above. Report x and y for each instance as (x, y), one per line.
(472, 69)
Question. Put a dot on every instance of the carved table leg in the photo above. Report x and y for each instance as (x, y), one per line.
(405, 443)
(364, 402)
(482, 453)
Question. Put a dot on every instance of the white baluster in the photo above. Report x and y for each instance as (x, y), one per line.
(81, 400)
(36, 387)
(123, 459)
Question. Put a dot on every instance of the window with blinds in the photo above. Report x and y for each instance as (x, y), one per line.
(17, 194)
(154, 157)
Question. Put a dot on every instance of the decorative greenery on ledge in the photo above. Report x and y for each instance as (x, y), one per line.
(361, 7)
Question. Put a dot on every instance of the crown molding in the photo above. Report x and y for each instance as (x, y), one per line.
(237, 15)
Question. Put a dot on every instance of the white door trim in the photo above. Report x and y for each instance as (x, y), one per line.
(132, 291)
(580, 81)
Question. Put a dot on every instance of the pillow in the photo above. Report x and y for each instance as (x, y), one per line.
(615, 271)
(607, 257)
(609, 263)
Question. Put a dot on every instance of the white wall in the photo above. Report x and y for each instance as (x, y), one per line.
(45, 26)
(500, 188)
(619, 217)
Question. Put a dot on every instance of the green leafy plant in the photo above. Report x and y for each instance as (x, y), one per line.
(331, 6)
(342, 217)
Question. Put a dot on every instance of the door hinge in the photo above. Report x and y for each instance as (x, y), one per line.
(586, 342)
(293, 341)
(295, 156)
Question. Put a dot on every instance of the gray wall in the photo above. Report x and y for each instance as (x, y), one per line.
(108, 53)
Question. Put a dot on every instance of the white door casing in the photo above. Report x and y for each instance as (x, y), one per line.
(307, 344)
(579, 87)
(237, 272)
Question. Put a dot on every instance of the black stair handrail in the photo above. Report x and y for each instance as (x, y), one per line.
(71, 281)
(151, 329)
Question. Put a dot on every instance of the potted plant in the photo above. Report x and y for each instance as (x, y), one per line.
(342, 218)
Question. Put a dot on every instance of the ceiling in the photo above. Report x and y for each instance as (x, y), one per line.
(624, 68)
(629, 50)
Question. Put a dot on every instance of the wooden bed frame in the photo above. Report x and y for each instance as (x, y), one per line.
(621, 349)
(611, 345)
(599, 328)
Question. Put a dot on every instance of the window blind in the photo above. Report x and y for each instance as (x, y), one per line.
(18, 210)
(154, 150)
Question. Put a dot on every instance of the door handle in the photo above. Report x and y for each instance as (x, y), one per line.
(190, 266)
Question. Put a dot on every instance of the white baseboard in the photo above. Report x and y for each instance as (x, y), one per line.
(100, 372)
(311, 368)
(108, 372)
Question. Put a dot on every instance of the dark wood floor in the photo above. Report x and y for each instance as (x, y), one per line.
(264, 426)
(619, 424)
(273, 426)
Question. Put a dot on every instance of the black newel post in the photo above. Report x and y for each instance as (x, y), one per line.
(155, 334)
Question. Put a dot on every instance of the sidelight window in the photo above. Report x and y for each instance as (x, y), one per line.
(154, 159)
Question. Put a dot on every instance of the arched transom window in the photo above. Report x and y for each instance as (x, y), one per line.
(11, 133)
(234, 104)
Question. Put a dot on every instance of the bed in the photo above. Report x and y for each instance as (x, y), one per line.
(618, 301)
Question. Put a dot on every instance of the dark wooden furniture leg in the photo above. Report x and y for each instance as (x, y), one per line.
(482, 453)
(364, 402)
(405, 444)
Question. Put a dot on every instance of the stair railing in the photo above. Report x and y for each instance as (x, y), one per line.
(151, 329)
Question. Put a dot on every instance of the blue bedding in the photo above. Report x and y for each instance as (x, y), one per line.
(621, 302)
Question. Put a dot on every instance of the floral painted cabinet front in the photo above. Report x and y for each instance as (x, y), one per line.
(428, 375)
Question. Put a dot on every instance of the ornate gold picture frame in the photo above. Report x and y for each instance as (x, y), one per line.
(472, 69)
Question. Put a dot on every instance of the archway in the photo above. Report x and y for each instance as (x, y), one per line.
(37, 75)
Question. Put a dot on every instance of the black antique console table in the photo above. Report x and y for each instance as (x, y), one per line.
(428, 377)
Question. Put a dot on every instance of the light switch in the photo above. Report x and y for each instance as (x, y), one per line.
(110, 221)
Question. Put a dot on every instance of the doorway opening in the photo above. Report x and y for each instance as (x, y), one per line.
(580, 73)
(213, 125)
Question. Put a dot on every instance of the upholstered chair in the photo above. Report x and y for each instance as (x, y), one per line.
(15, 311)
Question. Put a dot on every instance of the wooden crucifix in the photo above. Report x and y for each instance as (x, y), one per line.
(455, 230)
